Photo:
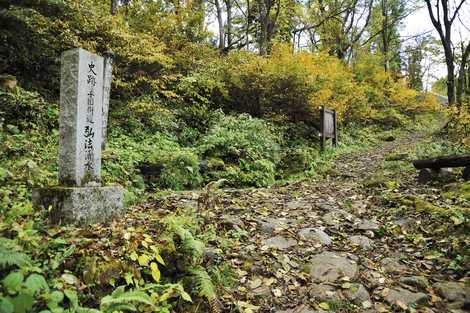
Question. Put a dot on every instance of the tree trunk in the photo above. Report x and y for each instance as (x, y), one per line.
(220, 21)
(263, 27)
(450, 75)
(385, 46)
(248, 23)
(228, 5)
(462, 75)
(114, 7)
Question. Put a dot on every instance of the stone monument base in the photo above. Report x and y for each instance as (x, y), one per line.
(80, 205)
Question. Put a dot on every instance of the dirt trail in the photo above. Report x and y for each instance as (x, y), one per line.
(328, 245)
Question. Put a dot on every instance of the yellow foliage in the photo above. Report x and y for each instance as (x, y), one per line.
(459, 121)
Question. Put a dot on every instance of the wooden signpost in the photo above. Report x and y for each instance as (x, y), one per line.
(328, 127)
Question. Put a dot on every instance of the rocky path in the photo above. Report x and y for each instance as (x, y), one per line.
(329, 245)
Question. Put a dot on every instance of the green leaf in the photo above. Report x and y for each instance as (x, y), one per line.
(6, 306)
(35, 283)
(13, 281)
(23, 303)
(56, 296)
(72, 296)
(88, 310)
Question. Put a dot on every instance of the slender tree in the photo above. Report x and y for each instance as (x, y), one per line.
(463, 73)
(442, 18)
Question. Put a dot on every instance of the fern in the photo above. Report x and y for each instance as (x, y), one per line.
(121, 300)
(190, 244)
(205, 287)
(10, 257)
(204, 283)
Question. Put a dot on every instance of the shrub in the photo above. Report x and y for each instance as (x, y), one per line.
(241, 137)
(287, 85)
(27, 109)
(299, 159)
(180, 171)
(246, 149)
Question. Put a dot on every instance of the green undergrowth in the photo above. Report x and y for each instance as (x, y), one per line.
(147, 262)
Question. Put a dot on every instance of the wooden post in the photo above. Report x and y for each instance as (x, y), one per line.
(322, 129)
(335, 138)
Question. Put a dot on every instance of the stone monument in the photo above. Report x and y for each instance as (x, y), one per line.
(80, 198)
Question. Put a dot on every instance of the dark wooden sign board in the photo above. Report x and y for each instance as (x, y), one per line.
(328, 127)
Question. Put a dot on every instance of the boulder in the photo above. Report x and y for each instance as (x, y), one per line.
(356, 293)
(406, 297)
(280, 242)
(330, 266)
(316, 236)
(361, 241)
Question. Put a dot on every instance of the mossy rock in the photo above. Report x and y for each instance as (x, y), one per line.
(375, 181)
(397, 156)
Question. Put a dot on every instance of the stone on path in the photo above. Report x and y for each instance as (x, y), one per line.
(361, 241)
(330, 266)
(336, 217)
(357, 293)
(406, 297)
(368, 225)
(392, 265)
(297, 204)
(280, 242)
(453, 291)
(301, 309)
(270, 225)
(415, 281)
(316, 236)
(323, 292)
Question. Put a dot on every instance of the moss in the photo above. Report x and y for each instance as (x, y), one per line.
(376, 180)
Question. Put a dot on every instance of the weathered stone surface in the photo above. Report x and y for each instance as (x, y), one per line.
(361, 241)
(323, 292)
(453, 291)
(81, 96)
(301, 309)
(280, 242)
(270, 225)
(316, 236)
(293, 205)
(368, 225)
(80, 205)
(326, 207)
(337, 217)
(357, 293)
(392, 265)
(415, 281)
(232, 221)
(405, 223)
(406, 297)
(261, 291)
(107, 79)
(330, 266)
